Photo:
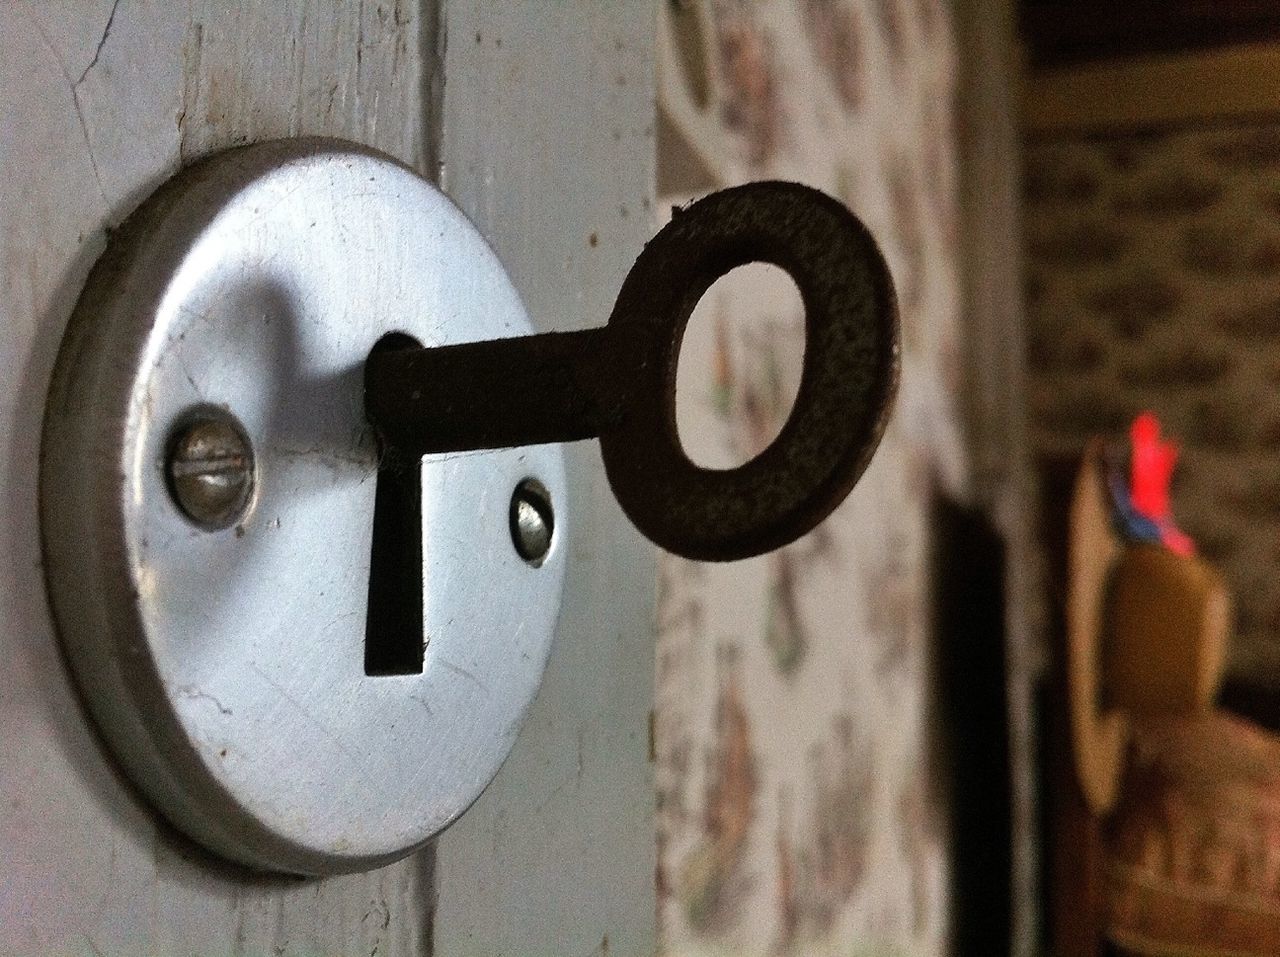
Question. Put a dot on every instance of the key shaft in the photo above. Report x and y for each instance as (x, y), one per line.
(617, 382)
(553, 387)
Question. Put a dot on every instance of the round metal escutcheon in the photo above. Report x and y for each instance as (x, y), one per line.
(226, 666)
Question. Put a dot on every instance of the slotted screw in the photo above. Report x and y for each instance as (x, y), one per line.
(210, 471)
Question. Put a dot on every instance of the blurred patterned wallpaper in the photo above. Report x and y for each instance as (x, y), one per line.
(1153, 281)
(798, 810)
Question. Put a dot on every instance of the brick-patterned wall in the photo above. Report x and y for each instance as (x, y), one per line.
(1153, 282)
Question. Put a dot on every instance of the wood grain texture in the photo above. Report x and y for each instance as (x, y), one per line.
(99, 103)
(547, 143)
(254, 71)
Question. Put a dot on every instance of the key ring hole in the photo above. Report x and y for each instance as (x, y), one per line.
(739, 365)
(849, 372)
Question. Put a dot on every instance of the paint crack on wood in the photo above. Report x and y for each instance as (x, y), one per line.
(73, 86)
(75, 96)
(106, 32)
(191, 53)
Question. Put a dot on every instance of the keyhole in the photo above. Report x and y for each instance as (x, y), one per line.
(394, 642)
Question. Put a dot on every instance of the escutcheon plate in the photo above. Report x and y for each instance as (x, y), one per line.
(226, 668)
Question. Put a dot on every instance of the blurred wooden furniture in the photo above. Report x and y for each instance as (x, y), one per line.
(1167, 813)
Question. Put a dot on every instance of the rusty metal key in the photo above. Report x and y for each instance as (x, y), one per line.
(617, 382)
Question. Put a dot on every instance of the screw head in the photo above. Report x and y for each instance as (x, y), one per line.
(532, 521)
(210, 470)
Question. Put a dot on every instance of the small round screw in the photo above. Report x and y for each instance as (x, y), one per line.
(532, 521)
(210, 470)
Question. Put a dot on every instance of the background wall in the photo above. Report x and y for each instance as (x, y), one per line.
(799, 811)
(1153, 282)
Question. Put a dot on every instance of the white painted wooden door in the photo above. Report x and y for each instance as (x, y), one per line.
(537, 117)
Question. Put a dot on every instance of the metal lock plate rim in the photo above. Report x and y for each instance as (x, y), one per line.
(223, 667)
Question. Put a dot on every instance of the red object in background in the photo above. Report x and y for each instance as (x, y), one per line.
(1150, 472)
(1151, 468)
